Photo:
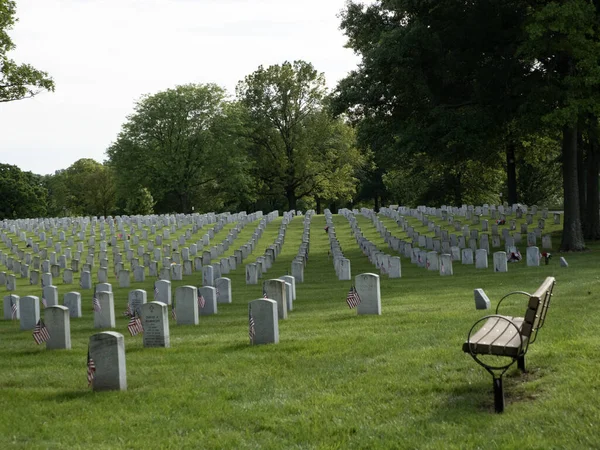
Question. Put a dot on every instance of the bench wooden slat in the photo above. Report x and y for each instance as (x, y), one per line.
(497, 337)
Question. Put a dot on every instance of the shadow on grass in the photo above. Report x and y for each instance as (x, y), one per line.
(66, 396)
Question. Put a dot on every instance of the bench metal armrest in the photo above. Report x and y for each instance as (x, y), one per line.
(488, 367)
(509, 294)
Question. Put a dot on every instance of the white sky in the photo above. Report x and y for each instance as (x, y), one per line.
(104, 54)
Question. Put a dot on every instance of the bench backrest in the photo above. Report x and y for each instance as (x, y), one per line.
(537, 308)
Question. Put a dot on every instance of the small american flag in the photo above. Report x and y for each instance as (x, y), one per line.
(40, 332)
(251, 329)
(91, 369)
(128, 312)
(353, 299)
(135, 326)
(201, 301)
(13, 308)
(173, 313)
(155, 291)
(96, 303)
(265, 294)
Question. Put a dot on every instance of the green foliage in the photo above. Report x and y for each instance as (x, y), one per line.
(141, 203)
(22, 194)
(184, 146)
(17, 81)
(299, 150)
(539, 171)
(84, 188)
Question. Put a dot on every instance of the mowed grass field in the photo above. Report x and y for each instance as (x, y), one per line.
(336, 380)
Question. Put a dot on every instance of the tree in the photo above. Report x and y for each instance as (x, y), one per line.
(295, 141)
(439, 79)
(141, 203)
(182, 145)
(22, 194)
(562, 45)
(86, 187)
(17, 81)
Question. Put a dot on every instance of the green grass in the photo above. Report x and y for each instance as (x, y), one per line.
(335, 380)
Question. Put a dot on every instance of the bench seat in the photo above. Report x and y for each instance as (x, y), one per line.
(498, 337)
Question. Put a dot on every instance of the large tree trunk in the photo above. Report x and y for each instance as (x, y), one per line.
(318, 200)
(572, 237)
(511, 173)
(581, 175)
(291, 198)
(592, 211)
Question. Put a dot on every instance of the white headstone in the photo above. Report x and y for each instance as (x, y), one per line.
(107, 349)
(58, 322)
(72, 300)
(186, 305)
(209, 294)
(136, 299)
(9, 301)
(208, 276)
(275, 290)
(263, 313)
(223, 286)
(155, 320)
(481, 299)
(367, 286)
(533, 256)
(105, 318)
(481, 259)
(500, 262)
(298, 271)
(29, 312)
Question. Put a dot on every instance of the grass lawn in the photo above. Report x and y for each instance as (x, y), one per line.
(335, 380)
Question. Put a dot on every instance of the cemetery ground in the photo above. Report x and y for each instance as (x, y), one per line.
(335, 380)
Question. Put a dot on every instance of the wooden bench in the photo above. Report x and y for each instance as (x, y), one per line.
(509, 337)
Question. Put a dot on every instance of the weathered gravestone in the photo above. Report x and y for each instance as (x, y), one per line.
(105, 318)
(290, 279)
(208, 278)
(9, 302)
(367, 286)
(155, 320)
(139, 274)
(50, 294)
(72, 300)
(533, 256)
(107, 349)
(223, 286)
(446, 264)
(162, 291)
(136, 299)
(275, 290)
(500, 262)
(481, 299)
(186, 305)
(251, 274)
(11, 282)
(58, 323)
(29, 312)
(103, 287)
(563, 262)
(209, 294)
(263, 322)
(86, 280)
(68, 276)
(481, 259)
(467, 256)
(298, 271)
(123, 278)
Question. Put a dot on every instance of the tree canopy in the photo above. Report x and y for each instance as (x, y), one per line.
(17, 81)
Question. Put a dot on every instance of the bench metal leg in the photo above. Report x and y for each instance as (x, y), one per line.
(498, 395)
(521, 364)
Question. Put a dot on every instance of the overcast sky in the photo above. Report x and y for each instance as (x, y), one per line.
(105, 54)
